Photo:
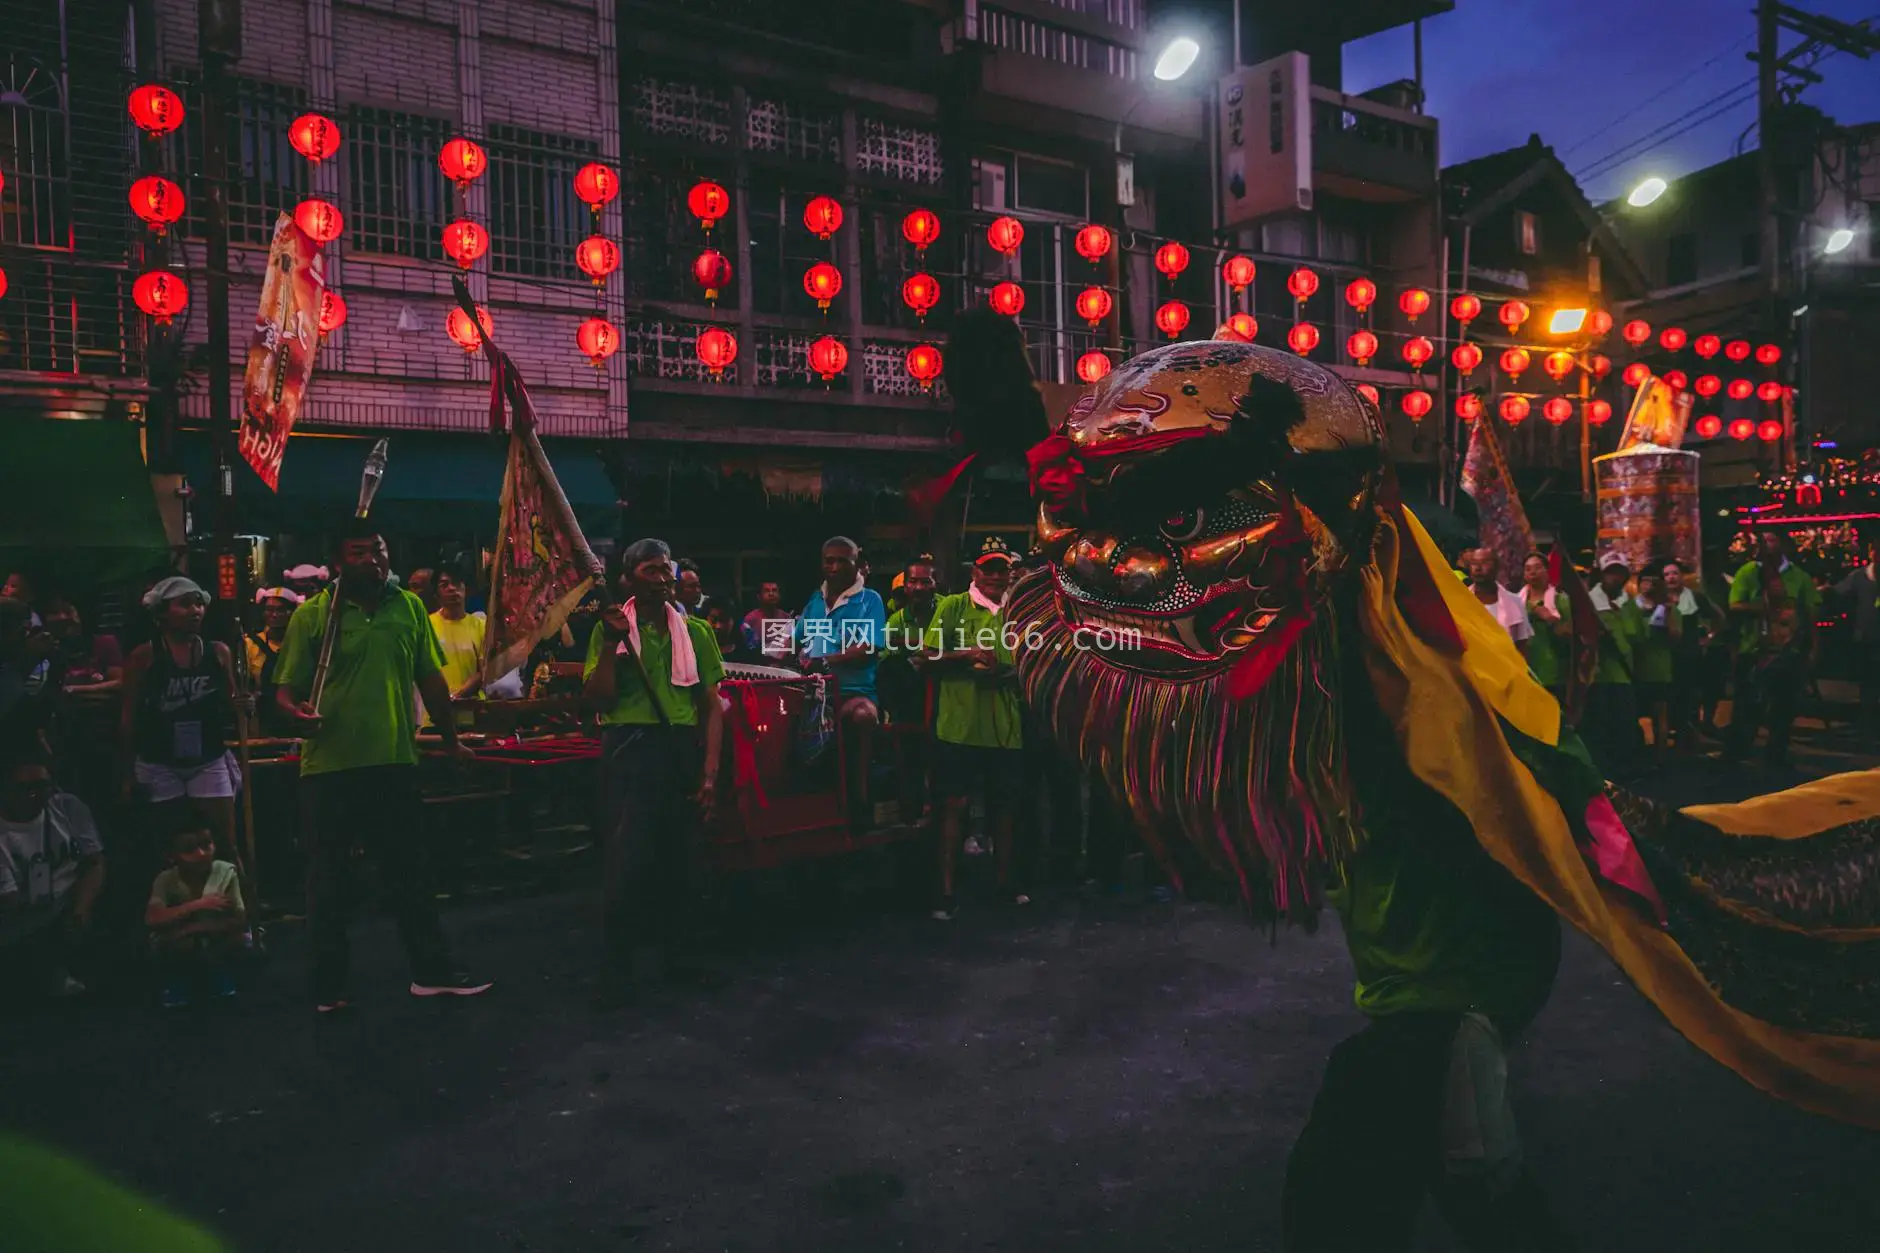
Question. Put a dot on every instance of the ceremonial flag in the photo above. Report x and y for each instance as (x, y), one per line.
(1583, 642)
(282, 350)
(1658, 416)
(1504, 524)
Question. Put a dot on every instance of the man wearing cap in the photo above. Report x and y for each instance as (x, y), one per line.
(263, 647)
(840, 632)
(359, 761)
(1774, 604)
(978, 726)
(1610, 723)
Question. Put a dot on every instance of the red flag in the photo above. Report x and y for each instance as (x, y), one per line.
(282, 349)
(1504, 524)
(1583, 643)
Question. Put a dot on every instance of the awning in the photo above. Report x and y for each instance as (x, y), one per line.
(78, 500)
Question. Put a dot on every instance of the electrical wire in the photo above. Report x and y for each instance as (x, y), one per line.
(1743, 93)
(1660, 94)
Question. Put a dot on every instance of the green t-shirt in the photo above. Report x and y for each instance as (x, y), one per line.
(634, 706)
(1547, 652)
(1652, 654)
(1621, 631)
(971, 708)
(169, 890)
(1747, 589)
(368, 711)
(53, 1204)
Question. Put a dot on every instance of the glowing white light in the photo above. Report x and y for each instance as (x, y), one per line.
(1838, 240)
(1176, 59)
(1646, 192)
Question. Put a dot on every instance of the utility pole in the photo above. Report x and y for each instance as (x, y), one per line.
(219, 43)
(1769, 251)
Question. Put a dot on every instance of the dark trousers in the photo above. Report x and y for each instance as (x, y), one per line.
(1609, 726)
(1371, 1152)
(376, 808)
(1766, 695)
(652, 857)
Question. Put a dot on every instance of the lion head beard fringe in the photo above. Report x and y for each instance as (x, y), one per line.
(1257, 787)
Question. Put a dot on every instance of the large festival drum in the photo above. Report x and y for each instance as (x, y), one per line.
(1648, 507)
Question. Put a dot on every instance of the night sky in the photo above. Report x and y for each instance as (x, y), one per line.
(1496, 70)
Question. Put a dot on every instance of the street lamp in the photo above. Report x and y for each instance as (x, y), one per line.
(1646, 192)
(1176, 59)
(1838, 240)
(1566, 321)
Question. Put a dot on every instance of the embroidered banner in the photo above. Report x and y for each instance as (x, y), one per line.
(282, 350)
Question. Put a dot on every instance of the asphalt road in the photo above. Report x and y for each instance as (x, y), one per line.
(1086, 1074)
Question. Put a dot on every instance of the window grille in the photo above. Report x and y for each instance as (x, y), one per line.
(1117, 12)
(908, 153)
(783, 249)
(662, 238)
(685, 111)
(266, 177)
(884, 370)
(795, 131)
(399, 200)
(62, 317)
(1056, 43)
(36, 204)
(782, 360)
(663, 348)
(535, 218)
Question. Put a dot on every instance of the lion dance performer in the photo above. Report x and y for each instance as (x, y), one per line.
(1313, 706)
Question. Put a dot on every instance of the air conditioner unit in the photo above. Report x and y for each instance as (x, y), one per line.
(991, 186)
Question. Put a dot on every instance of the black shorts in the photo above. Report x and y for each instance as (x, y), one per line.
(998, 772)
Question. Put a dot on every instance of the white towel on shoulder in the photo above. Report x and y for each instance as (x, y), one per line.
(684, 657)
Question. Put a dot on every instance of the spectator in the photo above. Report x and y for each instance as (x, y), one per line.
(691, 594)
(839, 632)
(1610, 721)
(179, 694)
(1861, 590)
(977, 723)
(359, 762)
(87, 672)
(1701, 621)
(905, 693)
(1550, 622)
(307, 579)
(23, 587)
(1655, 654)
(86, 665)
(1774, 603)
(652, 675)
(460, 636)
(263, 648)
(725, 631)
(197, 920)
(769, 608)
(1503, 605)
(26, 698)
(423, 585)
(51, 870)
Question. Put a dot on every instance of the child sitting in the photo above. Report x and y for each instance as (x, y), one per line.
(196, 918)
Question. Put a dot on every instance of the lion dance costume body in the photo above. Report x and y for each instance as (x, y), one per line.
(1298, 696)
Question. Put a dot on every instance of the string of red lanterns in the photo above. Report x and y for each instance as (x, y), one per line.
(1093, 243)
(1171, 259)
(320, 219)
(711, 270)
(823, 282)
(822, 217)
(1093, 367)
(597, 256)
(463, 162)
(596, 185)
(708, 202)
(314, 136)
(1093, 304)
(332, 311)
(717, 348)
(1303, 338)
(920, 292)
(1239, 273)
(157, 202)
(921, 228)
(924, 363)
(465, 241)
(161, 295)
(1361, 346)
(465, 333)
(598, 339)
(1361, 294)
(1414, 302)
(1172, 319)
(1005, 234)
(1007, 298)
(828, 357)
(156, 110)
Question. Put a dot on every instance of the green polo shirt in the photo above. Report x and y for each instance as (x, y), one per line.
(1547, 652)
(634, 705)
(368, 712)
(974, 709)
(1747, 589)
(1622, 631)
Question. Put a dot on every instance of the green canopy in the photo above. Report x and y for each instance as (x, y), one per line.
(78, 501)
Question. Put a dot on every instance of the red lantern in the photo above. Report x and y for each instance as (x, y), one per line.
(598, 256)
(1513, 314)
(160, 294)
(1514, 361)
(1093, 367)
(598, 340)
(1707, 346)
(332, 311)
(711, 270)
(1417, 404)
(1303, 338)
(1093, 304)
(1769, 430)
(717, 348)
(1005, 235)
(1602, 365)
(1465, 357)
(1707, 385)
(920, 228)
(1171, 258)
(1769, 393)
(924, 363)
(314, 136)
(1239, 272)
(1414, 302)
(823, 282)
(596, 185)
(1360, 294)
(1673, 338)
(1709, 426)
(1469, 406)
(1465, 308)
(1741, 428)
(822, 217)
(708, 202)
(1557, 410)
(1558, 364)
(1636, 373)
(1768, 354)
(1600, 324)
(1370, 394)
(1093, 243)
(1514, 410)
(320, 220)
(1636, 332)
(1172, 318)
(467, 334)
(1737, 350)
(156, 110)
(1676, 380)
(828, 356)
(1007, 298)
(1302, 283)
(1361, 347)
(463, 161)
(3, 283)
(465, 241)
(1741, 389)
(1417, 351)
(921, 292)
(1244, 325)
(157, 202)
(1598, 412)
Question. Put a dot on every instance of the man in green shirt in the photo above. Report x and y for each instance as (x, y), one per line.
(1773, 603)
(1609, 724)
(904, 688)
(652, 675)
(979, 740)
(359, 761)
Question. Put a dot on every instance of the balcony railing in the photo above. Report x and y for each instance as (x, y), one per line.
(1369, 151)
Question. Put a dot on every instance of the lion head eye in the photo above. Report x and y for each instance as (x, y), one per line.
(1185, 525)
